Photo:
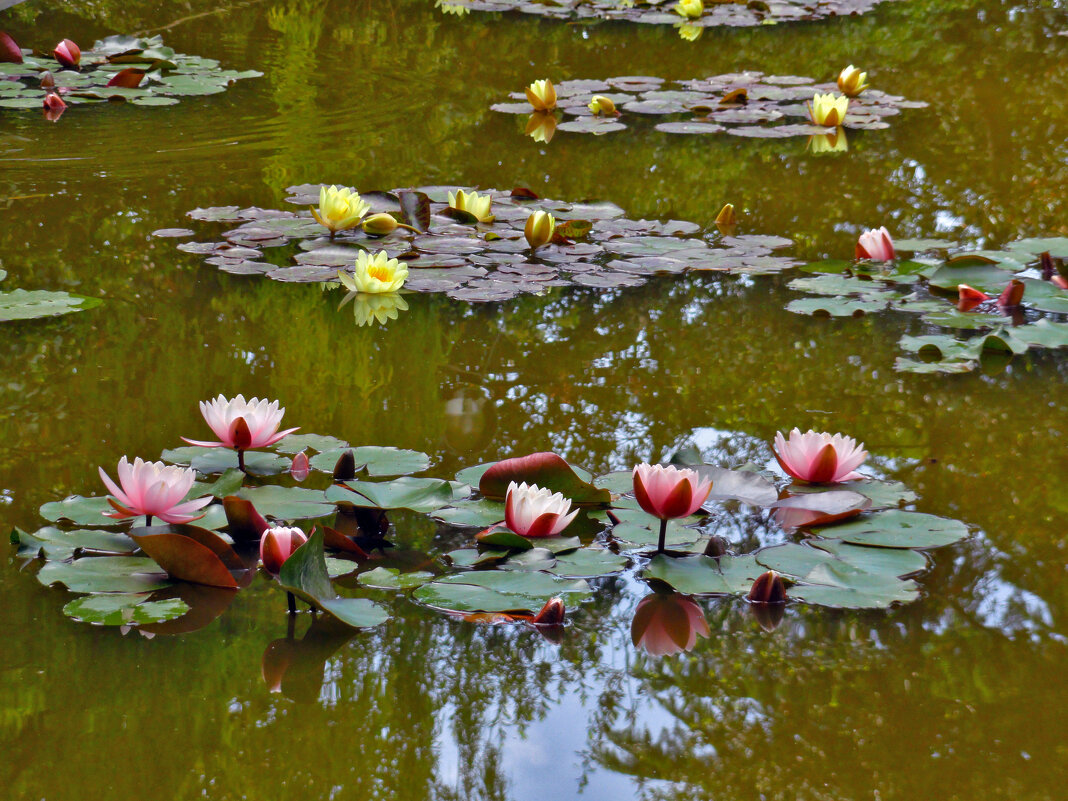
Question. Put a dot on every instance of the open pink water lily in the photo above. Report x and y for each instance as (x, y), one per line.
(875, 245)
(531, 511)
(278, 544)
(669, 492)
(153, 489)
(241, 424)
(667, 623)
(819, 458)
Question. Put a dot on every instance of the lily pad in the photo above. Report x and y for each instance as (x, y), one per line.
(546, 470)
(221, 460)
(704, 575)
(500, 591)
(288, 503)
(389, 578)
(480, 513)
(92, 574)
(896, 528)
(417, 494)
(20, 304)
(124, 609)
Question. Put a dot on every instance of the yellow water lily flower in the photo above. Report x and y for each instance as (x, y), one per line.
(370, 309)
(851, 81)
(602, 106)
(472, 203)
(339, 209)
(829, 143)
(828, 110)
(691, 33)
(691, 9)
(541, 125)
(542, 95)
(539, 229)
(375, 274)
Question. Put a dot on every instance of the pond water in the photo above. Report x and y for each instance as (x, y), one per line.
(954, 696)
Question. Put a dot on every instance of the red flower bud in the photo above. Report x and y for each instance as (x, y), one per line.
(768, 589)
(552, 614)
(68, 53)
(1012, 294)
(277, 545)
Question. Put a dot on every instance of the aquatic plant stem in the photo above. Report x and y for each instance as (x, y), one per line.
(241, 461)
(292, 601)
(148, 520)
(663, 536)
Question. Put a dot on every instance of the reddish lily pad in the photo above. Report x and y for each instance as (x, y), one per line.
(548, 471)
(188, 553)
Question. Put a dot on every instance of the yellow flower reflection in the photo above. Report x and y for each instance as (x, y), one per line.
(828, 110)
(541, 125)
(375, 274)
(835, 142)
(691, 33)
(375, 309)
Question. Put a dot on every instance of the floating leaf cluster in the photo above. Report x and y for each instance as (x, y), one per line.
(118, 68)
(662, 12)
(849, 545)
(989, 332)
(749, 104)
(22, 304)
(451, 251)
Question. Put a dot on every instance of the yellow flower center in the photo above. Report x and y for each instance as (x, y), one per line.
(382, 274)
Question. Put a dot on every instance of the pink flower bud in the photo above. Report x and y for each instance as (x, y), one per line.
(300, 467)
(68, 53)
(277, 545)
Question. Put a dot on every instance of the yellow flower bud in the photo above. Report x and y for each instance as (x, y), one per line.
(375, 274)
(539, 229)
(472, 203)
(691, 9)
(379, 224)
(726, 215)
(601, 105)
(542, 95)
(339, 209)
(828, 110)
(851, 81)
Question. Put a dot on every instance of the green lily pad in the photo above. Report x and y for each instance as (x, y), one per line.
(703, 575)
(288, 503)
(389, 578)
(79, 511)
(473, 514)
(54, 543)
(836, 307)
(20, 304)
(295, 443)
(587, 563)
(124, 609)
(500, 591)
(92, 574)
(221, 460)
(896, 528)
(377, 461)
(305, 575)
(417, 494)
(845, 587)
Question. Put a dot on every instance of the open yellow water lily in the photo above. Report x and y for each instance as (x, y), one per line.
(375, 274)
(828, 110)
(602, 106)
(542, 95)
(691, 9)
(851, 81)
(539, 229)
(472, 203)
(339, 209)
(541, 125)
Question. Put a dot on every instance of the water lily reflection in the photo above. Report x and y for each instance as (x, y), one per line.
(690, 32)
(459, 9)
(541, 125)
(667, 623)
(835, 142)
(378, 308)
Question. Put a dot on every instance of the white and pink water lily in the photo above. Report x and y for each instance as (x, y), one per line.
(819, 458)
(277, 545)
(153, 489)
(241, 424)
(669, 492)
(875, 245)
(531, 511)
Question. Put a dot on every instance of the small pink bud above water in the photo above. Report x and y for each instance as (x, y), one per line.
(552, 614)
(300, 467)
(768, 589)
(875, 245)
(277, 545)
(68, 53)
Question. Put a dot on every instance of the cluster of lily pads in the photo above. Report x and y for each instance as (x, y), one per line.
(22, 304)
(472, 246)
(690, 16)
(996, 303)
(749, 104)
(140, 70)
(174, 541)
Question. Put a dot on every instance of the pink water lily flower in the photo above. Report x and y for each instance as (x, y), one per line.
(241, 424)
(153, 489)
(669, 492)
(531, 511)
(819, 458)
(278, 544)
(875, 245)
(68, 53)
(667, 623)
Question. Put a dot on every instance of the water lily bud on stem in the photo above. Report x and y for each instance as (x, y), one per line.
(379, 224)
(68, 53)
(542, 95)
(539, 229)
(277, 545)
(768, 589)
(552, 614)
(851, 81)
(601, 106)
